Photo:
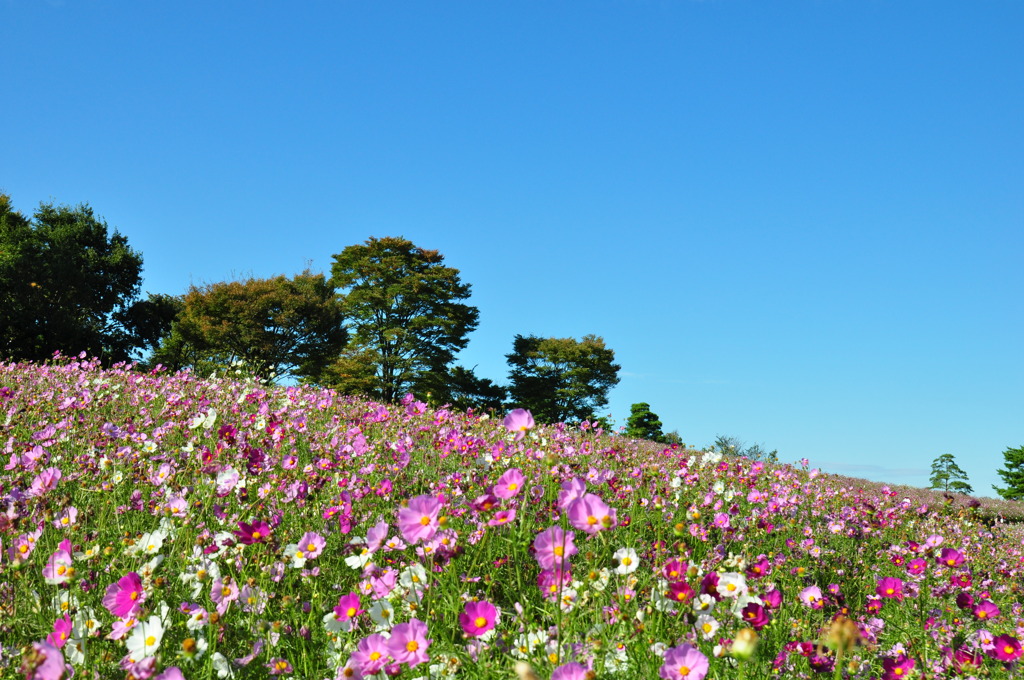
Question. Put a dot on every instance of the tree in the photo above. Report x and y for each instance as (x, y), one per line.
(461, 388)
(643, 424)
(948, 476)
(561, 379)
(403, 311)
(732, 446)
(66, 284)
(1012, 474)
(280, 326)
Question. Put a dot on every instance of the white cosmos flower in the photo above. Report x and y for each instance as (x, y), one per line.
(382, 614)
(706, 626)
(145, 638)
(626, 561)
(732, 584)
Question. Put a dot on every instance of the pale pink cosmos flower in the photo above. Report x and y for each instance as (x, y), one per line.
(58, 568)
(311, 544)
(572, 490)
(519, 421)
(553, 547)
(44, 481)
(419, 520)
(510, 484)
(684, 662)
(811, 596)
(591, 514)
(571, 671)
(408, 643)
(223, 593)
(371, 654)
(67, 518)
(44, 662)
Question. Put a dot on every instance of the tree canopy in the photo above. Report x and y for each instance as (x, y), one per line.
(561, 379)
(277, 326)
(947, 475)
(69, 284)
(1012, 474)
(403, 308)
(644, 423)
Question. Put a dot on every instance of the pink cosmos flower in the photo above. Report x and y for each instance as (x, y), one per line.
(570, 671)
(510, 484)
(553, 547)
(172, 673)
(419, 520)
(348, 607)
(125, 598)
(895, 669)
(371, 654)
(1005, 648)
(279, 666)
(917, 566)
(67, 518)
(61, 632)
(44, 481)
(223, 593)
(983, 611)
(890, 588)
(519, 421)
(950, 557)
(376, 535)
(477, 618)
(409, 643)
(43, 662)
(591, 514)
(311, 544)
(811, 597)
(572, 490)
(684, 662)
(501, 517)
(58, 568)
(257, 532)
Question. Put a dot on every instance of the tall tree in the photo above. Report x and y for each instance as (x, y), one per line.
(402, 305)
(281, 326)
(561, 379)
(948, 476)
(67, 284)
(1012, 474)
(644, 423)
(462, 388)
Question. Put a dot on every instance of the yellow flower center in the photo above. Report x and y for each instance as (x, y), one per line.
(591, 520)
(480, 622)
(412, 646)
(226, 592)
(150, 641)
(300, 555)
(256, 534)
(61, 569)
(684, 671)
(559, 550)
(134, 595)
(424, 520)
(513, 486)
(374, 656)
(310, 548)
(350, 612)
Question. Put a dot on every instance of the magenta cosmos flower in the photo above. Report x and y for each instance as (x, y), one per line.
(591, 514)
(257, 532)
(684, 662)
(891, 588)
(477, 618)
(348, 607)
(509, 484)
(519, 421)
(1005, 648)
(900, 667)
(553, 547)
(419, 520)
(125, 597)
(409, 643)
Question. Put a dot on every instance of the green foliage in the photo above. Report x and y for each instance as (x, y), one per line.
(643, 424)
(277, 327)
(402, 306)
(460, 387)
(561, 379)
(1012, 474)
(947, 475)
(67, 284)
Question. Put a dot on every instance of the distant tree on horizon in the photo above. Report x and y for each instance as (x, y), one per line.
(1012, 474)
(948, 476)
(561, 379)
(732, 446)
(644, 423)
(403, 310)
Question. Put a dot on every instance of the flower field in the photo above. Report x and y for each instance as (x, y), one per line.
(167, 526)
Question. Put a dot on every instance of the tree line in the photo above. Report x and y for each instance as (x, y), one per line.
(389, 320)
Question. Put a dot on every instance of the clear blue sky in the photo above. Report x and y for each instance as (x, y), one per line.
(798, 223)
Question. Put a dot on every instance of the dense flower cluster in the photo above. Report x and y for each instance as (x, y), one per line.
(170, 527)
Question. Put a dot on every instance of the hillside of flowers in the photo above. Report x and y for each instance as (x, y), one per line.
(172, 526)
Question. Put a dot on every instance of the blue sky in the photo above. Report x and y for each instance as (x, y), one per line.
(797, 223)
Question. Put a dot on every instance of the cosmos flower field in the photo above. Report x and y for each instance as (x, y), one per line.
(167, 526)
